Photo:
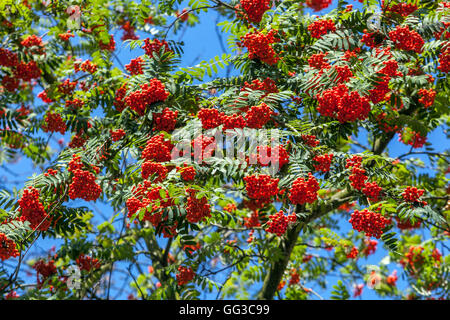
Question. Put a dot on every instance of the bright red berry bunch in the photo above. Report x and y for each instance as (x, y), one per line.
(358, 178)
(197, 209)
(310, 140)
(128, 32)
(7, 248)
(320, 27)
(158, 149)
(370, 222)
(184, 275)
(304, 191)
(406, 39)
(154, 170)
(371, 39)
(155, 45)
(10, 83)
(258, 116)
(407, 225)
(372, 191)
(84, 186)
(255, 9)
(412, 138)
(87, 263)
(427, 97)
(277, 155)
(135, 66)
(32, 210)
(339, 103)
(88, 66)
(318, 61)
(261, 187)
(412, 194)
(210, 118)
(233, 121)
(54, 123)
(119, 98)
(370, 246)
(46, 270)
(267, 85)
(444, 59)
(34, 44)
(259, 46)
(149, 93)
(403, 9)
(252, 221)
(279, 222)
(165, 120)
(353, 254)
(109, 46)
(324, 162)
(318, 5)
(187, 172)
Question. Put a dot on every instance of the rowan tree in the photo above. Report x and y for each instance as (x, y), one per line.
(258, 173)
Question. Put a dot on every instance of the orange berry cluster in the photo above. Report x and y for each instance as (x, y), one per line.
(255, 9)
(427, 97)
(412, 194)
(324, 162)
(258, 116)
(304, 191)
(166, 120)
(279, 222)
(83, 182)
(135, 66)
(158, 149)
(370, 222)
(7, 248)
(118, 134)
(32, 210)
(320, 27)
(406, 39)
(261, 187)
(259, 46)
(187, 172)
(155, 45)
(149, 93)
(87, 263)
(197, 209)
(155, 170)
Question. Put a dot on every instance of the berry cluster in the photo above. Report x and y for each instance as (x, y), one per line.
(197, 209)
(339, 103)
(151, 46)
(128, 31)
(310, 140)
(67, 87)
(32, 210)
(370, 246)
(45, 270)
(412, 138)
(154, 170)
(252, 221)
(295, 277)
(259, 46)
(135, 66)
(8, 58)
(304, 191)
(392, 279)
(87, 263)
(119, 97)
(7, 248)
(84, 186)
(261, 187)
(258, 116)
(318, 61)
(324, 162)
(372, 39)
(187, 172)
(406, 39)
(74, 104)
(353, 253)
(33, 44)
(184, 275)
(444, 59)
(372, 191)
(267, 85)
(412, 194)
(151, 92)
(279, 222)
(210, 118)
(370, 222)
(118, 134)
(320, 27)
(27, 71)
(109, 46)
(427, 97)
(407, 225)
(54, 123)
(158, 149)
(87, 66)
(204, 147)
(277, 155)
(318, 5)
(10, 83)
(165, 120)
(233, 121)
(403, 9)
(255, 9)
